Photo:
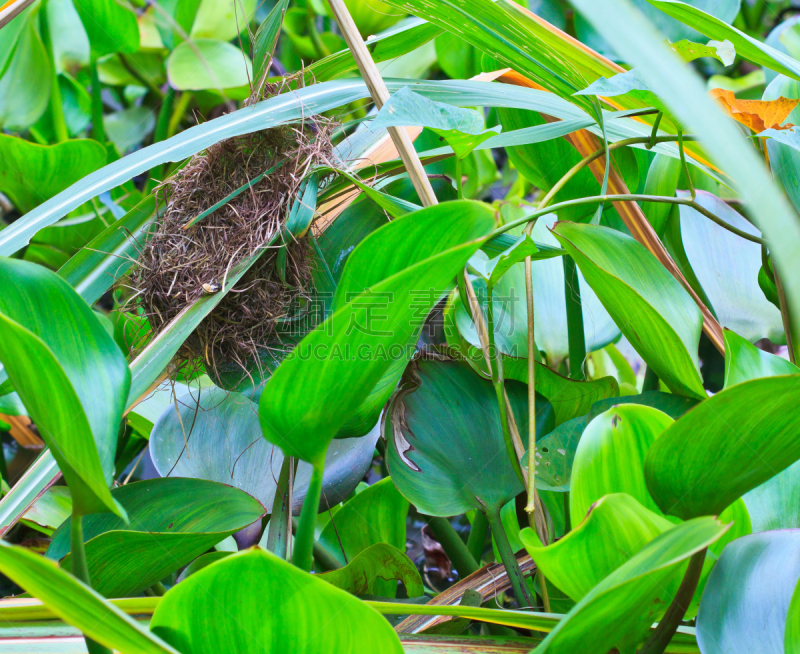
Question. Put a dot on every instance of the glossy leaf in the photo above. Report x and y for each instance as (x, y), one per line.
(620, 609)
(380, 561)
(70, 375)
(267, 38)
(215, 436)
(208, 64)
(748, 594)
(291, 607)
(615, 529)
(744, 361)
(78, 604)
(111, 26)
(182, 516)
(726, 446)
(222, 19)
(649, 305)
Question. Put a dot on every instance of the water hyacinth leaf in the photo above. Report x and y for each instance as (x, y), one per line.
(380, 561)
(610, 457)
(77, 604)
(222, 19)
(724, 447)
(748, 595)
(50, 510)
(620, 610)
(110, 26)
(70, 374)
(724, 51)
(292, 605)
(314, 391)
(449, 457)
(216, 436)
(649, 305)
(615, 529)
(744, 361)
(182, 516)
(208, 64)
(33, 173)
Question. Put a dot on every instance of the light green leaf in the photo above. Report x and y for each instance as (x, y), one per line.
(208, 64)
(50, 510)
(747, 597)
(77, 604)
(43, 472)
(744, 361)
(726, 446)
(70, 374)
(222, 19)
(724, 51)
(267, 38)
(110, 25)
(649, 305)
(129, 127)
(279, 609)
(378, 562)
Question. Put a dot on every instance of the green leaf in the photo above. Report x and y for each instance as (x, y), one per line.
(610, 457)
(43, 472)
(463, 129)
(267, 38)
(649, 305)
(724, 51)
(395, 207)
(445, 447)
(615, 529)
(314, 391)
(378, 562)
(662, 179)
(110, 25)
(77, 604)
(129, 127)
(70, 374)
(304, 208)
(727, 268)
(50, 510)
(620, 609)
(278, 609)
(724, 447)
(184, 517)
(208, 64)
(214, 436)
(222, 19)
(748, 595)
(744, 361)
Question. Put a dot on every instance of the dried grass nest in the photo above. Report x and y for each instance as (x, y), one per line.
(176, 266)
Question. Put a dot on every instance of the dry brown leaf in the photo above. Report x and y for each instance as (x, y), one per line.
(758, 115)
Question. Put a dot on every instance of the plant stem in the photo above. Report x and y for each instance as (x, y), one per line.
(509, 560)
(626, 197)
(81, 571)
(692, 192)
(530, 507)
(790, 327)
(459, 180)
(662, 634)
(56, 110)
(98, 131)
(453, 546)
(160, 133)
(184, 100)
(280, 521)
(322, 554)
(567, 519)
(477, 536)
(575, 332)
(303, 555)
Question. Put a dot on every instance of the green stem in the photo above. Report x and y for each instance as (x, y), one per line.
(453, 545)
(692, 192)
(575, 333)
(280, 521)
(509, 560)
(567, 519)
(650, 380)
(668, 625)
(323, 556)
(790, 326)
(81, 571)
(477, 536)
(625, 197)
(303, 555)
(654, 133)
(56, 110)
(184, 100)
(459, 180)
(98, 131)
(162, 130)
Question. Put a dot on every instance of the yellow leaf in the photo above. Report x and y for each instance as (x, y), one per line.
(758, 115)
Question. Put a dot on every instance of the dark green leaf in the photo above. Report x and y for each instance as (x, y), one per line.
(379, 562)
(267, 38)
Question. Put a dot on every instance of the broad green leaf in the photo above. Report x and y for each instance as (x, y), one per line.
(791, 642)
(378, 562)
(282, 109)
(631, 81)
(184, 517)
(278, 609)
(615, 529)
(110, 25)
(662, 179)
(463, 129)
(744, 361)
(42, 472)
(727, 268)
(775, 504)
(33, 173)
(333, 369)
(724, 51)
(267, 38)
(222, 19)
(68, 36)
(215, 436)
(726, 446)
(620, 609)
(25, 79)
(445, 447)
(77, 604)
(208, 64)
(375, 515)
(50, 510)
(610, 457)
(649, 305)
(129, 127)
(70, 374)
(636, 41)
(748, 594)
